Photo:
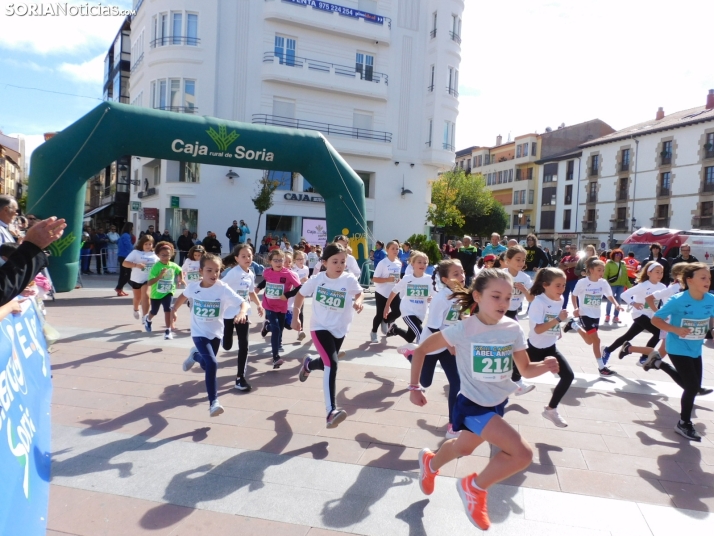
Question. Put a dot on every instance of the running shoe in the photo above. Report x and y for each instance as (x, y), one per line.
(301, 336)
(242, 385)
(450, 433)
(426, 475)
(147, 323)
(571, 325)
(168, 335)
(137, 316)
(391, 331)
(277, 362)
(625, 350)
(373, 337)
(216, 409)
(264, 331)
(604, 371)
(523, 388)
(641, 361)
(605, 354)
(553, 416)
(305, 369)
(607, 318)
(383, 326)
(407, 350)
(616, 320)
(189, 362)
(703, 391)
(653, 360)
(686, 430)
(335, 417)
(475, 502)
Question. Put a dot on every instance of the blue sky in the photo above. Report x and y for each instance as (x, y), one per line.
(526, 65)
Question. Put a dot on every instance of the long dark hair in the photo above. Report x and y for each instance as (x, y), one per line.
(465, 297)
(545, 276)
(442, 270)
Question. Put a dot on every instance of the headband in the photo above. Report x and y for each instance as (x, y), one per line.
(652, 266)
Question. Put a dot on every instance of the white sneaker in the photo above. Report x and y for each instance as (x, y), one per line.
(216, 408)
(407, 350)
(450, 434)
(137, 316)
(301, 336)
(189, 362)
(168, 335)
(384, 328)
(373, 336)
(553, 416)
(523, 388)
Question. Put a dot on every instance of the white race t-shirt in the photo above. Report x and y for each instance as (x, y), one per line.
(543, 310)
(301, 273)
(332, 302)
(517, 296)
(443, 313)
(208, 306)
(484, 357)
(148, 258)
(414, 292)
(190, 269)
(667, 293)
(242, 283)
(387, 268)
(313, 259)
(353, 267)
(590, 295)
(638, 293)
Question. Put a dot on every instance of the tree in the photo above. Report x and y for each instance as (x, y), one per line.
(420, 242)
(493, 220)
(263, 199)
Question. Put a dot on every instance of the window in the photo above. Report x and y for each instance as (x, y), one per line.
(570, 170)
(455, 33)
(531, 193)
(516, 197)
(433, 25)
(519, 173)
(157, 175)
(306, 186)
(429, 131)
(189, 172)
(706, 219)
(284, 178)
(163, 29)
(176, 28)
(566, 219)
(525, 149)
(625, 163)
(592, 192)
(367, 180)
(569, 194)
(364, 65)
(534, 150)
(284, 109)
(709, 179)
(432, 78)
(162, 94)
(662, 219)
(666, 153)
(549, 196)
(665, 184)
(486, 159)
(510, 175)
(448, 143)
(529, 174)
(362, 121)
(547, 220)
(709, 146)
(518, 151)
(594, 164)
(453, 82)
(623, 188)
(189, 96)
(192, 29)
(550, 173)
(285, 50)
(174, 95)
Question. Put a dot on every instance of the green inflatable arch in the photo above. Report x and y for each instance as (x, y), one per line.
(61, 166)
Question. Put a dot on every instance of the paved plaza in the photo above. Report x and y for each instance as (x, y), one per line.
(135, 452)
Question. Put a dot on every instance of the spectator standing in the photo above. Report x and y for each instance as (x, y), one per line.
(196, 241)
(633, 266)
(684, 255)
(616, 276)
(404, 254)
(467, 255)
(656, 255)
(233, 234)
(244, 232)
(379, 253)
(250, 243)
(535, 256)
(184, 243)
(124, 246)
(112, 249)
(100, 241)
(494, 247)
(211, 244)
(568, 262)
(8, 211)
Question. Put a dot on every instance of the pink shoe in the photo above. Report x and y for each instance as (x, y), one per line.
(616, 320)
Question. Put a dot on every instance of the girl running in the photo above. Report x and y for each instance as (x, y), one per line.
(386, 275)
(141, 259)
(413, 291)
(514, 261)
(648, 282)
(336, 293)
(444, 312)
(241, 280)
(486, 345)
(690, 313)
(209, 300)
(590, 290)
(545, 315)
(192, 264)
(162, 281)
(313, 259)
(303, 273)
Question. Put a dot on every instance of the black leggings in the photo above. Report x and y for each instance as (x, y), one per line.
(687, 373)
(537, 355)
(124, 274)
(640, 324)
(328, 346)
(242, 331)
(448, 364)
(515, 375)
(413, 333)
(379, 316)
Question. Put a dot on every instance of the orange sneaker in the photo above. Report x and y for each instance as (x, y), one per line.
(426, 475)
(475, 502)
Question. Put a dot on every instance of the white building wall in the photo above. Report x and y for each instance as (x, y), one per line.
(234, 82)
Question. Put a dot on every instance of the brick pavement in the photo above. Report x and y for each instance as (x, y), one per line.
(134, 451)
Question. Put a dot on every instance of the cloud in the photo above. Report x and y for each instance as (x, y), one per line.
(30, 65)
(90, 71)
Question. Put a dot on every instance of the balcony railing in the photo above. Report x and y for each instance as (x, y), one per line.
(137, 62)
(660, 222)
(568, 199)
(455, 37)
(365, 73)
(433, 33)
(345, 11)
(175, 40)
(665, 158)
(708, 151)
(663, 192)
(180, 109)
(148, 193)
(622, 195)
(430, 89)
(593, 172)
(326, 128)
(428, 144)
(708, 187)
(589, 226)
(704, 222)
(447, 146)
(625, 166)
(620, 225)
(453, 91)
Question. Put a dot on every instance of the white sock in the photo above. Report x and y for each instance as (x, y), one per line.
(476, 486)
(430, 467)
(600, 364)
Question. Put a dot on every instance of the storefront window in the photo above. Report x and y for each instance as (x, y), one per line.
(284, 178)
(178, 219)
(278, 226)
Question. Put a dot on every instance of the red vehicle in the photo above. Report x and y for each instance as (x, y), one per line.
(701, 243)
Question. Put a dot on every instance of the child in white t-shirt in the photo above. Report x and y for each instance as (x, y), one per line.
(303, 273)
(413, 291)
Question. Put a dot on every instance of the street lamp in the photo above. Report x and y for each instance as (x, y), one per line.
(520, 220)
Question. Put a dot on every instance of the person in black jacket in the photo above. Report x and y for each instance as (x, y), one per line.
(233, 235)
(184, 243)
(535, 256)
(684, 255)
(656, 255)
(29, 259)
(211, 243)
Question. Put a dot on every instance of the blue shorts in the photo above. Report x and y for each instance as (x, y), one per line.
(472, 417)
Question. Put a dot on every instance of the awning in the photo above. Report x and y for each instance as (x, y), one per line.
(95, 210)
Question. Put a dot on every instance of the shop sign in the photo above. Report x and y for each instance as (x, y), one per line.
(567, 235)
(175, 201)
(342, 10)
(150, 214)
(590, 237)
(303, 197)
(136, 206)
(314, 231)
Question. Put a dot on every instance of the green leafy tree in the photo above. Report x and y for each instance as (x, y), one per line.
(263, 199)
(493, 220)
(422, 243)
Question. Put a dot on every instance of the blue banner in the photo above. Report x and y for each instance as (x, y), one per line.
(25, 394)
(346, 11)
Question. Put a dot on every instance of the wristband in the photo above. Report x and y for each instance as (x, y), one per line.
(416, 387)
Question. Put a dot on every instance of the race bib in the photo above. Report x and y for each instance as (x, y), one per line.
(592, 300)
(396, 276)
(555, 330)
(332, 299)
(417, 291)
(274, 290)
(491, 362)
(147, 267)
(453, 315)
(699, 328)
(164, 286)
(193, 276)
(205, 311)
(243, 294)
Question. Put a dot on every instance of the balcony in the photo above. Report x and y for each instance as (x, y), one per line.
(136, 63)
(453, 92)
(432, 33)
(148, 193)
(592, 198)
(175, 40)
(589, 226)
(317, 74)
(326, 128)
(622, 195)
(660, 222)
(708, 186)
(593, 172)
(620, 225)
(665, 158)
(663, 192)
(625, 166)
(447, 147)
(455, 37)
(708, 150)
(704, 221)
(178, 109)
(332, 18)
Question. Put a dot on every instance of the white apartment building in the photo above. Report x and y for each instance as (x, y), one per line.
(379, 78)
(659, 173)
